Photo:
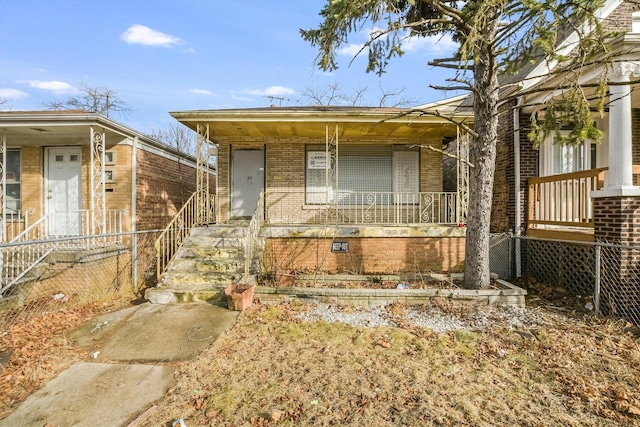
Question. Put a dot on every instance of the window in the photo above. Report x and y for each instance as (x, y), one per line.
(109, 158)
(559, 159)
(13, 191)
(364, 172)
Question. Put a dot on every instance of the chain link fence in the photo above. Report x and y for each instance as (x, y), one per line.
(74, 271)
(605, 275)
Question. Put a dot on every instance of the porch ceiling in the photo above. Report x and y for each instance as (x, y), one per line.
(311, 122)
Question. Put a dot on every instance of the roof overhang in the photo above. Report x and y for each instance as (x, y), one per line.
(312, 122)
(69, 127)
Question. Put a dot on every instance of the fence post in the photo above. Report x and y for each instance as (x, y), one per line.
(518, 256)
(596, 296)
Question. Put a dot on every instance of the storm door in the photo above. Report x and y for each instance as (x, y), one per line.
(247, 181)
(63, 190)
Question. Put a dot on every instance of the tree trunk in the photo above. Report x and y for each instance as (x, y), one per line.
(482, 155)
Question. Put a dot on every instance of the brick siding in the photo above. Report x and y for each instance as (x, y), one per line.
(504, 201)
(162, 187)
(367, 255)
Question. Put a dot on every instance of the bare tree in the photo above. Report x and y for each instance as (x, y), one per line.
(335, 94)
(177, 136)
(96, 99)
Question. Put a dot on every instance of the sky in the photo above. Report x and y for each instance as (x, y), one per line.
(177, 55)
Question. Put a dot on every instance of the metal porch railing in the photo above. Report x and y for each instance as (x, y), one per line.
(17, 261)
(195, 211)
(252, 239)
(366, 208)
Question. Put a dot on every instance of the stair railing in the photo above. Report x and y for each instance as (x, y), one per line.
(195, 211)
(252, 239)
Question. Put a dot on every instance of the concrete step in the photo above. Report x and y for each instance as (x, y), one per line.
(179, 294)
(205, 265)
(211, 259)
(213, 242)
(219, 231)
(196, 278)
(212, 252)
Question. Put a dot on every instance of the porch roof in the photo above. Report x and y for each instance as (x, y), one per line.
(67, 127)
(312, 121)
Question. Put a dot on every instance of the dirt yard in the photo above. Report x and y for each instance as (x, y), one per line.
(294, 365)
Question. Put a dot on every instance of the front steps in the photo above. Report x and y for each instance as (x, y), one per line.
(210, 259)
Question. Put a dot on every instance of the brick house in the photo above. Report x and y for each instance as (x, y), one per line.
(70, 173)
(344, 189)
(555, 191)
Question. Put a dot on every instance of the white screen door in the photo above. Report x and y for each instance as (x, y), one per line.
(63, 190)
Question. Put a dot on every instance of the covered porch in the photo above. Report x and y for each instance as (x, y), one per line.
(331, 188)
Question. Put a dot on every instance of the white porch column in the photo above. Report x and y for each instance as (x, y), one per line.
(620, 141)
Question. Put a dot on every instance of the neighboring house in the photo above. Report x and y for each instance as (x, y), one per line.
(76, 173)
(344, 189)
(561, 191)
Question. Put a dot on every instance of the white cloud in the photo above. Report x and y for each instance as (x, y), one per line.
(434, 45)
(271, 91)
(9, 93)
(189, 50)
(53, 86)
(352, 49)
(201, 91)
(140, 34)
(41, 70)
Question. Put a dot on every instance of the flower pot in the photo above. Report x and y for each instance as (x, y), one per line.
(240, 296)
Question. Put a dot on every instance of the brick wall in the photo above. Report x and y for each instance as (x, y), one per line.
(367, 255)
(162, 186)
(617, 220)
(32, 177)
(503, 215)
(620, 19)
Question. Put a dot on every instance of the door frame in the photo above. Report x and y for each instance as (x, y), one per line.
(232, 150)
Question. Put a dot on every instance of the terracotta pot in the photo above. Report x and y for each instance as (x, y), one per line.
(240, 296)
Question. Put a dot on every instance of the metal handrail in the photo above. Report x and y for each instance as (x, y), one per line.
(253, 233)
(178, 229)
(26, 233)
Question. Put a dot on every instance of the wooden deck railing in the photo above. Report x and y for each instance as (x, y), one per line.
(565, 199)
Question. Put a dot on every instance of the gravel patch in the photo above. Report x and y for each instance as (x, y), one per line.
(434, 319)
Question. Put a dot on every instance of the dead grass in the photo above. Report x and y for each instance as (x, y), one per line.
(273, 369)
(35, 350)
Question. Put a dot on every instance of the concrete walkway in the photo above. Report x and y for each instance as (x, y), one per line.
(129, 365)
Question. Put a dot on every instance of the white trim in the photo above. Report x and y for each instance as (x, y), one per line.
(616, 192)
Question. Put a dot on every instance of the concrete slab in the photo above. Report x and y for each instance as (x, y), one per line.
(151, 333)
(93, 394)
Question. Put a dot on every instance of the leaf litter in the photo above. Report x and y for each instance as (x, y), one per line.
(305, 364)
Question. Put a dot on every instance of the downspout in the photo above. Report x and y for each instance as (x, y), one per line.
(134, 224)
(517, 192)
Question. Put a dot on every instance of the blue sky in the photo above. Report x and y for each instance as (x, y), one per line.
(175, 55)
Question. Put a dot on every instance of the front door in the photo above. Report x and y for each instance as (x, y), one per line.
(247, 181)
(63, 190)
